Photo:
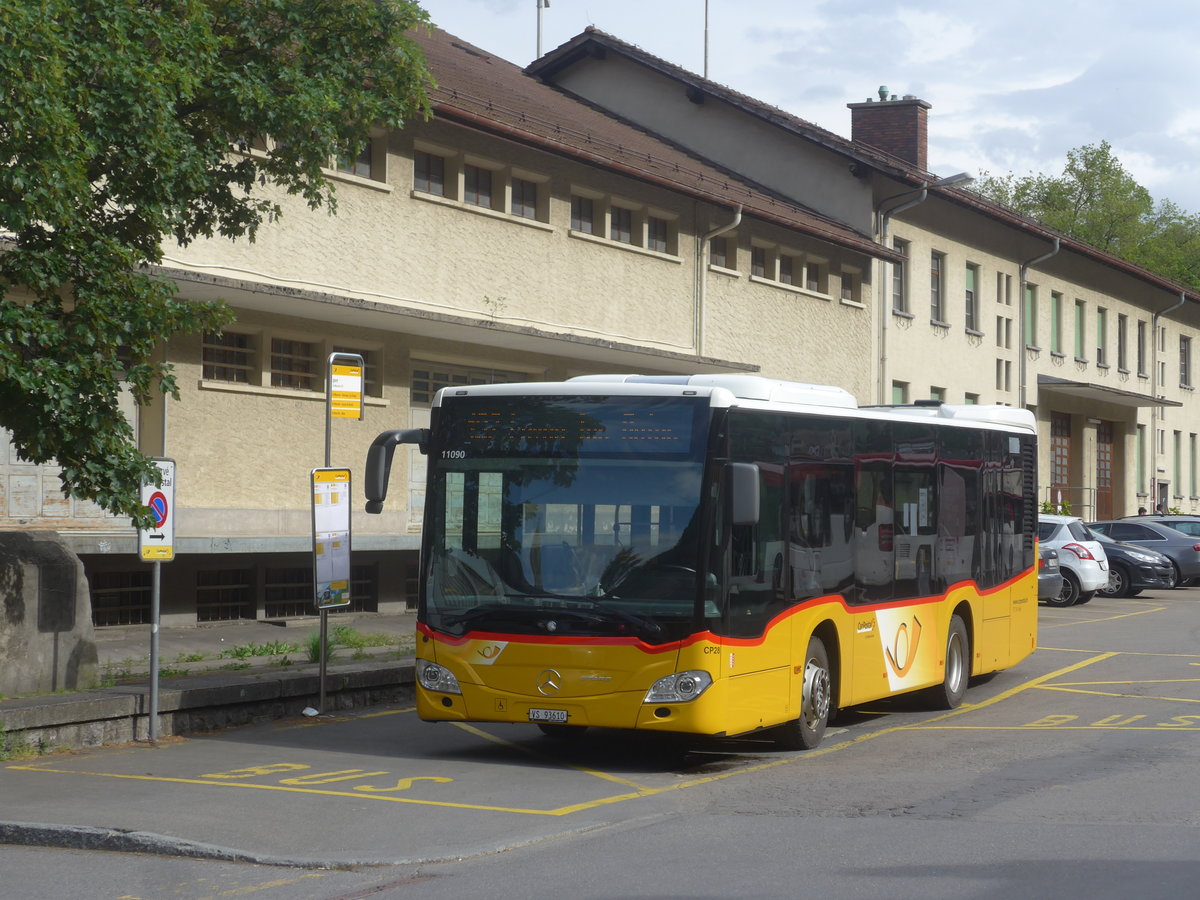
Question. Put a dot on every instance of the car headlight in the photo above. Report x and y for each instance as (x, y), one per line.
(1146, 558)
(436, 678)
(679, 688)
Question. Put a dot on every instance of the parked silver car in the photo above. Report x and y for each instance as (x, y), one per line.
(1080, 557)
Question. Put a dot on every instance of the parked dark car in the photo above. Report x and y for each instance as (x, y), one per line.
(1187, 524)
(1182, 549)
(1050, 580)
(1133, 568)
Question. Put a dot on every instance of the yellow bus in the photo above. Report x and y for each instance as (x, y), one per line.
(713, 554)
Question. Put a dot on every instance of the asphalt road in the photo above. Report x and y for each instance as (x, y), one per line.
(1072, 775)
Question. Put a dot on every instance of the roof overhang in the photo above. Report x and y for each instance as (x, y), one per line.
(396, 316)
(1101, 393)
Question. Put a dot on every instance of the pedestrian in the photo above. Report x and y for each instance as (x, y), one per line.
(1161, 509)
(1141, 510)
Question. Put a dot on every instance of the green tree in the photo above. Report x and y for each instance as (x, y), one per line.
(1097, 201)
(125, 123)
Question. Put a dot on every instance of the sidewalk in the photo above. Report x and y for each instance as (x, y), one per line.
(210, 677)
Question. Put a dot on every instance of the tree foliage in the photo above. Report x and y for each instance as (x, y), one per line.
(1097, 201)
(124, 123)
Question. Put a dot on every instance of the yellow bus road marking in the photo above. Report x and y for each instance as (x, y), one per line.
(1126, 653)
(1112, 618)
(1129, 682)
(1033, 726)
(1075, 690)
(541, 757)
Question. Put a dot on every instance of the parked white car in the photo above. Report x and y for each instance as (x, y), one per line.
(1081, 558)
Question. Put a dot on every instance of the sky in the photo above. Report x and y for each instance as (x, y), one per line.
(1014, 84)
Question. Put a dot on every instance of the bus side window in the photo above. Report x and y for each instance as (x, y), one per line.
(874, 517)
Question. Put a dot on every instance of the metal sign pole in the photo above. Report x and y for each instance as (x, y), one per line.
(155, 616)
(345, 377)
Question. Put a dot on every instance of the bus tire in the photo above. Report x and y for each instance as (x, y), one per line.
(816, 702)
(949, 694)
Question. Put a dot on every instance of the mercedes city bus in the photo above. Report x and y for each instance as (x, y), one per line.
(713, 554)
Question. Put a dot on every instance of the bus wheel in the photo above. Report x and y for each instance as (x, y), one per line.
(562, 732)
(816, 702)
(949, 694)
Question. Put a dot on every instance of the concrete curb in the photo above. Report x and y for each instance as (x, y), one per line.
(195, 703)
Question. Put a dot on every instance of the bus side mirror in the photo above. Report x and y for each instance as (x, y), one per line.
(742, 482)
(379, 462)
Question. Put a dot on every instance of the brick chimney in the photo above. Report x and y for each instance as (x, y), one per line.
(899, 127)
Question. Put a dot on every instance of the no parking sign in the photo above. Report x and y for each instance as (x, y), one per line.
(157, 544)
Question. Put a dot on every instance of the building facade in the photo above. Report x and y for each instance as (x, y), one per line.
(605, 211)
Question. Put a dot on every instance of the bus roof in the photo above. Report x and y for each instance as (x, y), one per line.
(753, 391)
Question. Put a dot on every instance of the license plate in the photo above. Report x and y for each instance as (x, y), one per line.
(548, 715)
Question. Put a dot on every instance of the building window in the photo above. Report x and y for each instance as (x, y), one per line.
(657, 234)
(787, 269)
(524, 198)
(936, 312)
(971, 399)
(1185, 361)
(477, 186)
(814, 277)
(287, 592)
(621, 228)
(899, 393)
(850, 285)
(224, 594)
(718, 252)
(938, 394)
(372, 384)
(1192, 465)
(1031, 312)
(121, 598)
(1080, 329)
(1003, 289)
(1122, 342)
(228, 356)
(758, 261)
(1141, 348)
(1177, 461)
(900, 277)
(1056, 304)
(359, 165)
(1101, 336)
(583, 215)
(428, 379)
(971, 299)
(429, 173)
(292, 364)
(1140, 449)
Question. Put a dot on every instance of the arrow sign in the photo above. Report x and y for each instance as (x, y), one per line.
(158, 544)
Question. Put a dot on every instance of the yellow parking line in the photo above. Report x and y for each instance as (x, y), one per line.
(1093, 621)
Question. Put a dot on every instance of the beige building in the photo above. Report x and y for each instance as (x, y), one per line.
(606, 211)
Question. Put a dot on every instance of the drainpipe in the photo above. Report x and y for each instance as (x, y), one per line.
(1021, 330)
(1156, 412)
(882, 395)
(701, 280)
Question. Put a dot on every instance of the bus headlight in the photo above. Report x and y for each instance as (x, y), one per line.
(679, 688)
(436, 678)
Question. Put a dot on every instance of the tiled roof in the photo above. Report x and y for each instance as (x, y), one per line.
(480, 90)
(593, 40)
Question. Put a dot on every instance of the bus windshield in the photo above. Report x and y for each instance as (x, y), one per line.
(566, 515)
